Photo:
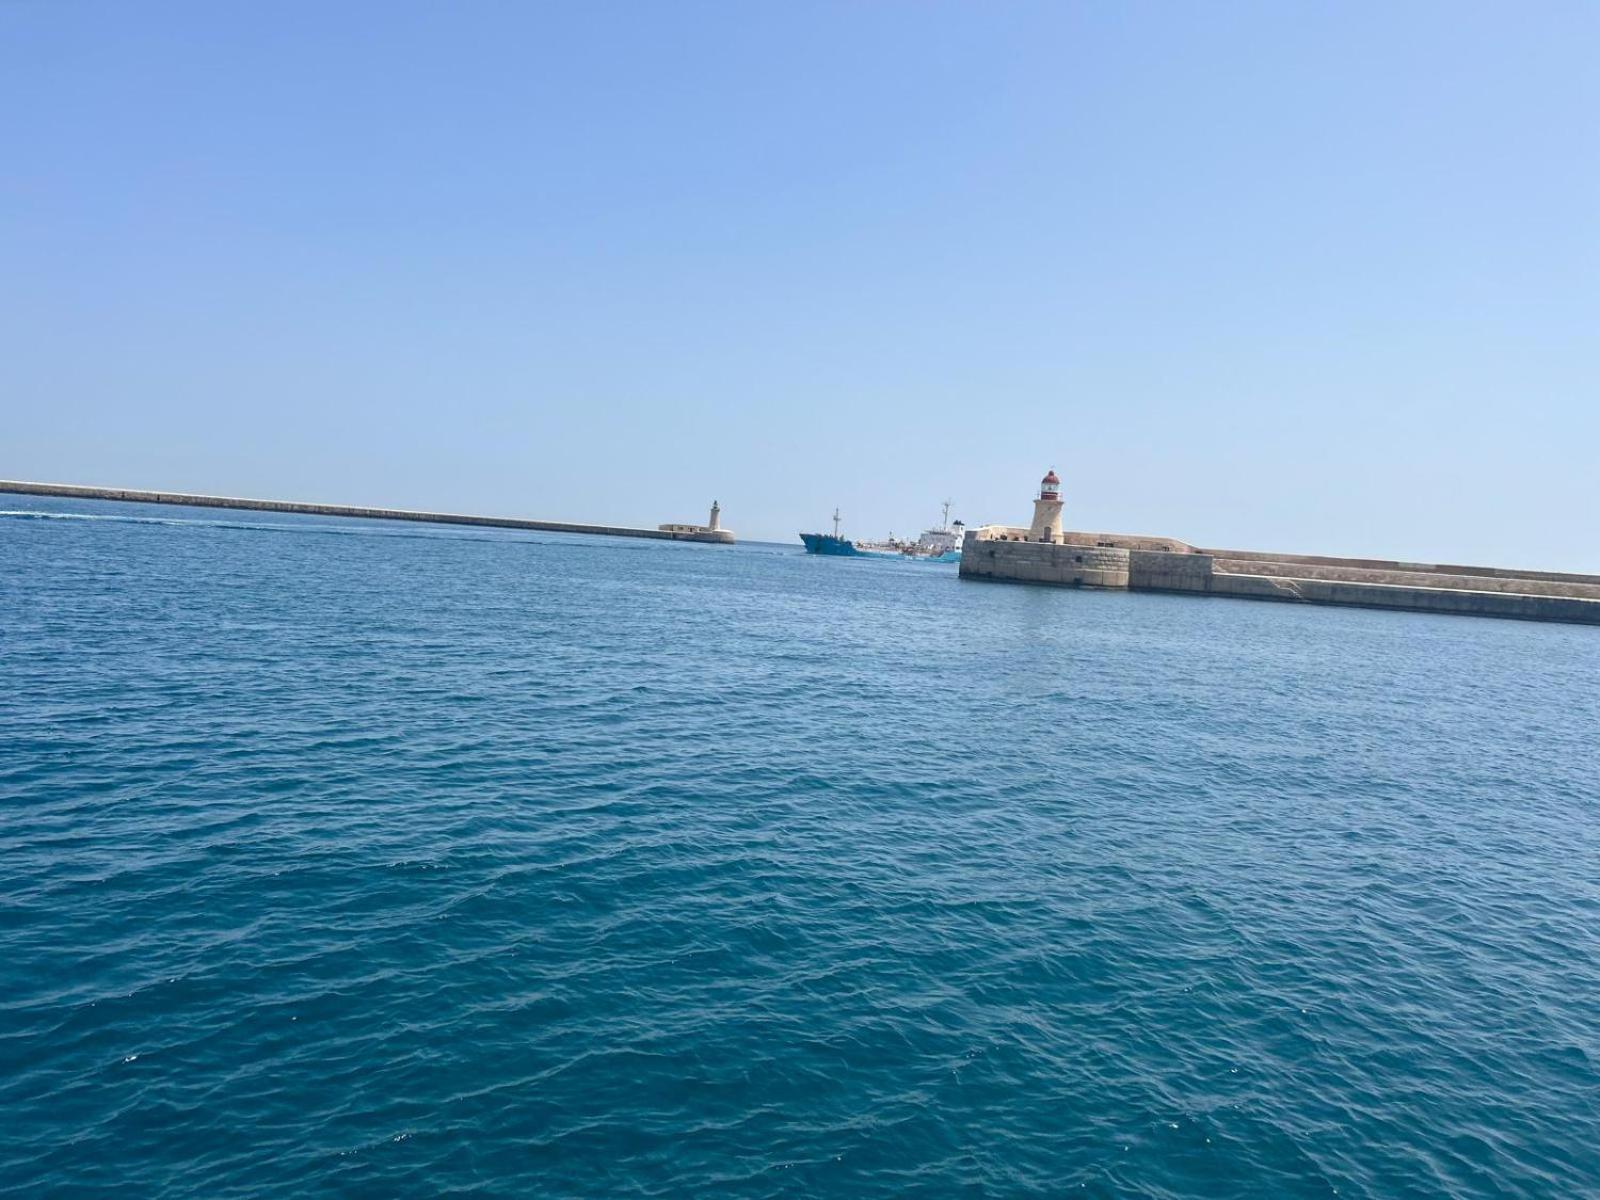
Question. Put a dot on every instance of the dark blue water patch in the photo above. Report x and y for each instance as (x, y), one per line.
(473, 862)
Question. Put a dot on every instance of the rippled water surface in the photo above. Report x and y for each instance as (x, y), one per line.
(350, 859)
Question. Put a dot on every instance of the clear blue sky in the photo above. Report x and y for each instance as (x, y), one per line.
(1284, 276)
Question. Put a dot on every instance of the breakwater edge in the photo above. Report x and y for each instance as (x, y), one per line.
(711, 532)
(1043, 552)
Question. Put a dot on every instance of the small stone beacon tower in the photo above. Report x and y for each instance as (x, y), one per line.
(1046, 525)
(712, 531)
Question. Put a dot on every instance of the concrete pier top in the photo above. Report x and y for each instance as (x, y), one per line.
(670, 533)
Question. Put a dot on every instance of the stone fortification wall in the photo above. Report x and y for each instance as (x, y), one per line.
(1410, 599)
(1155, 571)
(998, 533)
(1408, 578)
(1093, 560)
(1385, 564)
(1129, 541)
(1076, 537)
(1042, 562)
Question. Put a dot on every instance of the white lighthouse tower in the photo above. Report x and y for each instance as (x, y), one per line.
(1046, 525)
(712, 531)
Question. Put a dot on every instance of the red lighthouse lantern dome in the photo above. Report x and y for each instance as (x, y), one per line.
(1050, 486)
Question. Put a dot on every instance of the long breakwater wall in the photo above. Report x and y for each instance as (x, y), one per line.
(682, 534)
(1144, 564)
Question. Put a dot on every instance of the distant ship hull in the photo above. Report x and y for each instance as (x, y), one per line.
(826, 543)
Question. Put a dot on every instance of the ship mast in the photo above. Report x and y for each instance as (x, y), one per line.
(836, 523)
(946, 524)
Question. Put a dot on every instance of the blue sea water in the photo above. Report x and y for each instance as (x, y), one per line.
(353, 859)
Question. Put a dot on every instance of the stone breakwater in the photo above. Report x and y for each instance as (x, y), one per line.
(681, 533)
(1146, 564)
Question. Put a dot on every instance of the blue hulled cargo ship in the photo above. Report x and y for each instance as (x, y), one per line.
(830, 543)
(941, 545)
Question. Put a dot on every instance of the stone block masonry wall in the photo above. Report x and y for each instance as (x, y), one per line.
(1073, 537)
(1399, 578)
(1409, 599)
(1128, 541)
(1040, 562)
(1306, 583)
(1085, 560)
(1154, 571)
(1385, 564)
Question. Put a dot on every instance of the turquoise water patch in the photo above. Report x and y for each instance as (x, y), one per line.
(443, 862)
